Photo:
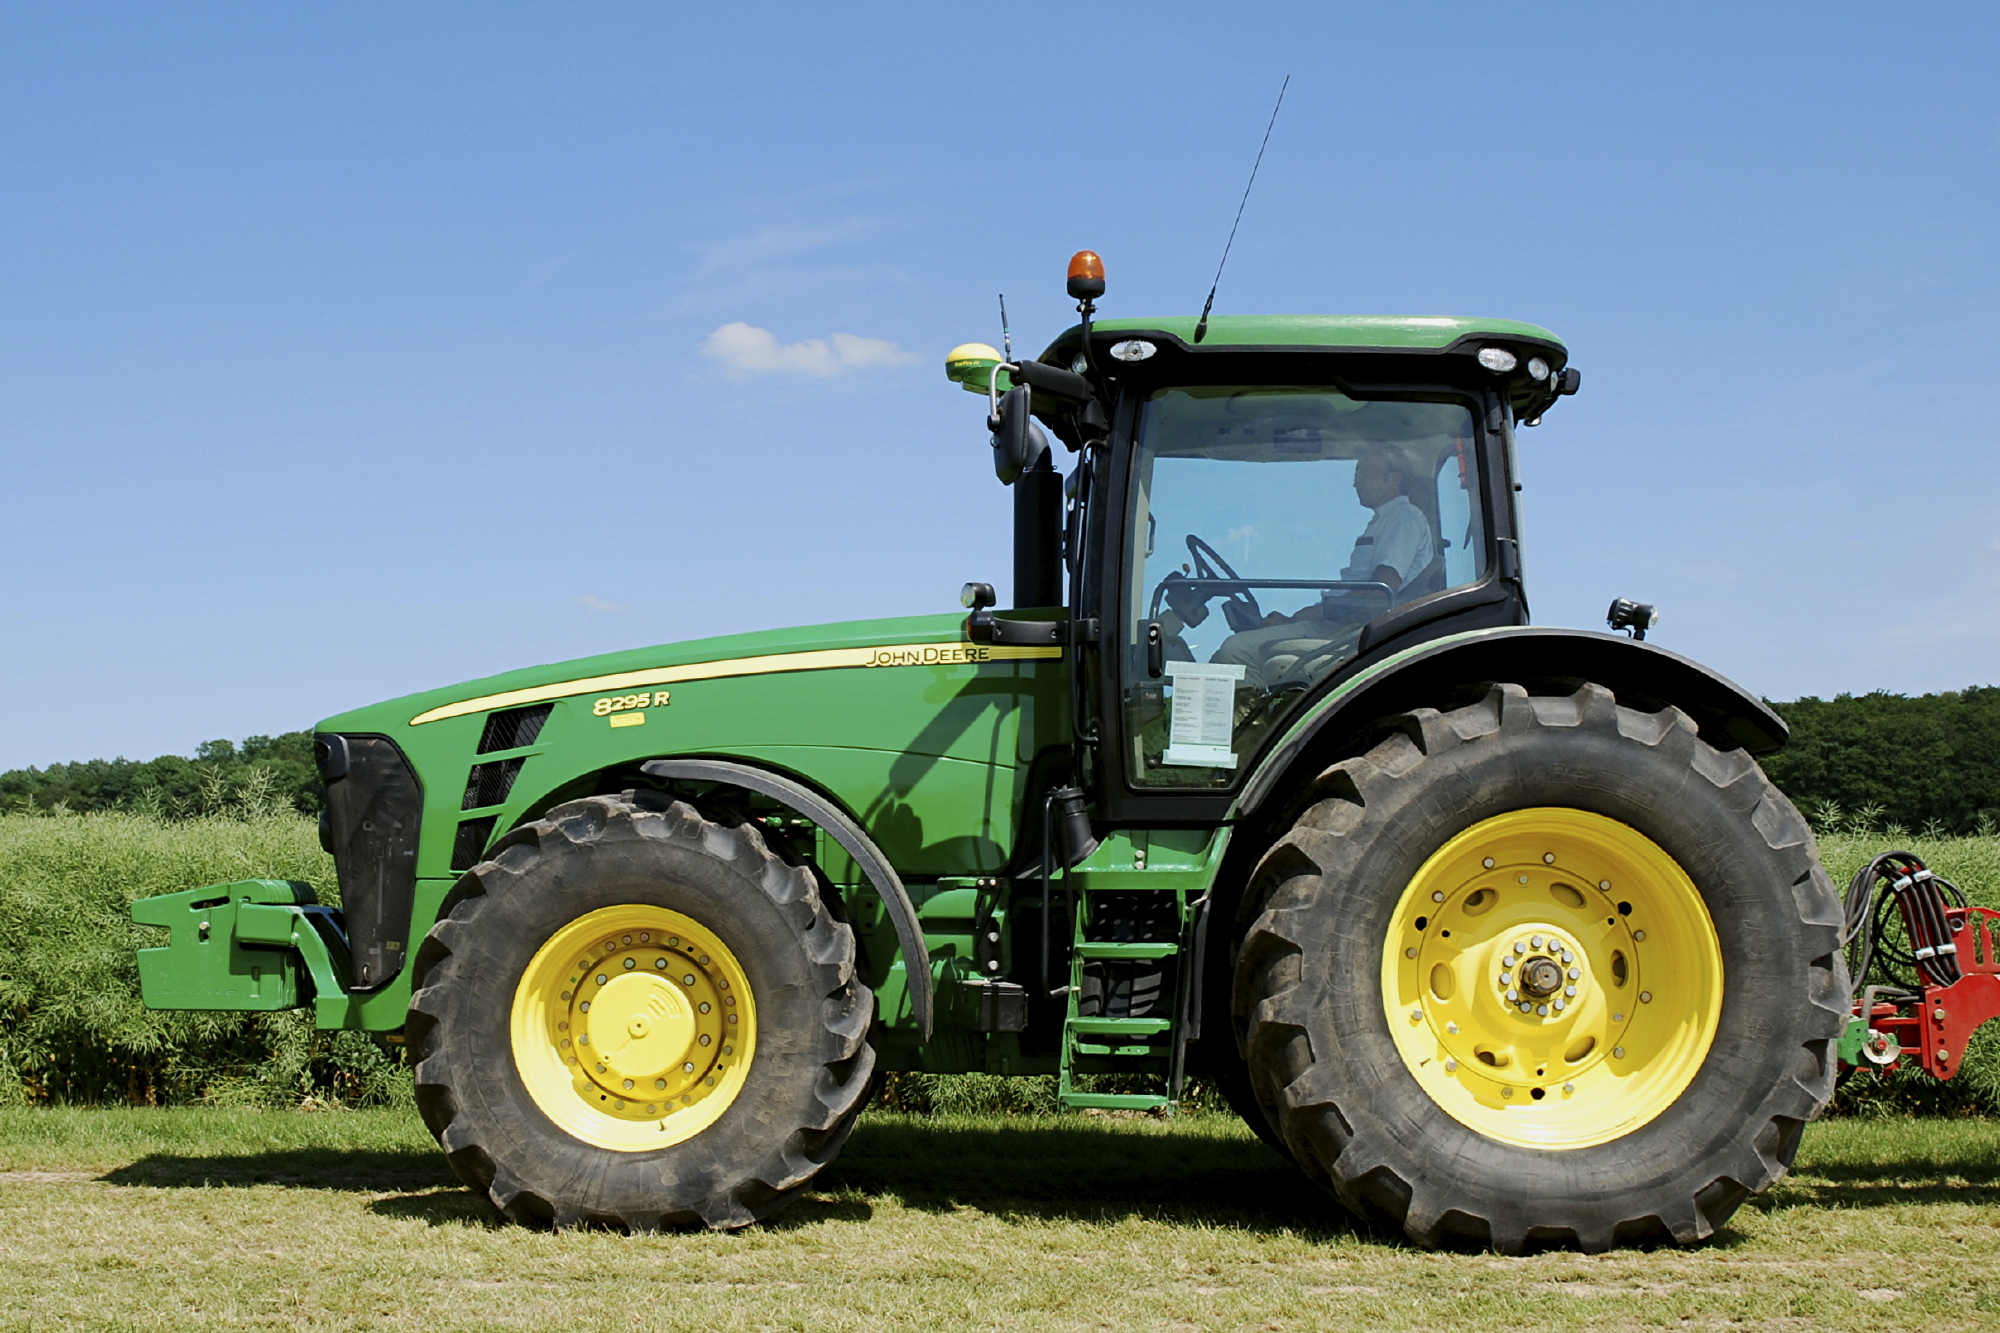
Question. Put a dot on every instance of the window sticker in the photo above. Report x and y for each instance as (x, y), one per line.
(1204, 709)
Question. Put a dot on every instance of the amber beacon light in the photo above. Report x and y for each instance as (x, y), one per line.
(1086, 275)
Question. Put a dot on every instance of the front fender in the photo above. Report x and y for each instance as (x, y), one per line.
(1641, 675)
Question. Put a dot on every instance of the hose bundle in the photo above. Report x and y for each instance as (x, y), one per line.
(1896, 888)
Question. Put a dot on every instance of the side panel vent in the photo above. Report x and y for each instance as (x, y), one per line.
(513, 728)
(488, 784)
(473, 835)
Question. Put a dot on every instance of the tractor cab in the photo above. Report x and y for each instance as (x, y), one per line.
(1260, 507)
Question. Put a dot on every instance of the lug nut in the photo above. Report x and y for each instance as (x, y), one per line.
(1575, 973)
(1451, 1066)
(1645, 997)
(1436, 897)
(1638, 937)
(1452, 1028)
(1513, 995)
(1548, 858)
(1520, 947)
(1569, 1088)
(1536, 941)
(1570, 991)
(1618, 1052)
(1488, 863)
(1506, 1092)
(1542, 1009)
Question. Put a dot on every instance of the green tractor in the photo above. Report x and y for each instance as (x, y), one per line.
(1498, 932)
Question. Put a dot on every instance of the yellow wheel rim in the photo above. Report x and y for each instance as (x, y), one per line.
(1552, 978)
(634, 1028)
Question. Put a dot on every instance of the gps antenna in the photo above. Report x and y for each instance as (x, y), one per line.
(1201, 325)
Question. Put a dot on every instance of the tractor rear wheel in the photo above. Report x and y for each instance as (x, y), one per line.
(1542, 969)
(631, 1015)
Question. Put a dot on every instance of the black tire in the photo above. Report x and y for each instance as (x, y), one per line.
(1309, 1003)
(805, 1082)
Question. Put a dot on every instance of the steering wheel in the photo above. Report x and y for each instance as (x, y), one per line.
(1241, 610)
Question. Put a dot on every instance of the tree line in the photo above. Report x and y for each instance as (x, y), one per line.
(172, 785)
(1929, 762)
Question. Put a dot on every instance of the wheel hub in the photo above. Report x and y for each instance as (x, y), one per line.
(627, 1027)
(1515, 978)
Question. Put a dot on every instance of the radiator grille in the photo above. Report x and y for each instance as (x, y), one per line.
(471, 842)
(513, 728)
(488, 784)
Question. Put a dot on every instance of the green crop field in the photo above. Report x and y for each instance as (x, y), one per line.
(137, 1219)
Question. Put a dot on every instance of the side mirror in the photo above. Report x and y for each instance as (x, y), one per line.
(1018, 443)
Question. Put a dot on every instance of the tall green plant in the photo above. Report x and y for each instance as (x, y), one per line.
(72, 1026)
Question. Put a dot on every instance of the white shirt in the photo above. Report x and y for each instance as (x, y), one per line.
(1399, 536)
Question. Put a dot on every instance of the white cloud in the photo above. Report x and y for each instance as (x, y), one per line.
(745, 349)
(598, 603)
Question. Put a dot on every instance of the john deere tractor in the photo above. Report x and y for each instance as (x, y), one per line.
(1263, 778)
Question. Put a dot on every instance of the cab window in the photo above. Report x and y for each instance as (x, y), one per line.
(1269, 524)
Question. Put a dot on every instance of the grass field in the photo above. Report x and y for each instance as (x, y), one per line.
(138, 1219)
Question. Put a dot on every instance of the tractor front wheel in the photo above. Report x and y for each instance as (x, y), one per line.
(1542, 969)
(632, 1015)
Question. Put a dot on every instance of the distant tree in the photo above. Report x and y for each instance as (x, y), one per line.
(1928, 761)
(111, 784)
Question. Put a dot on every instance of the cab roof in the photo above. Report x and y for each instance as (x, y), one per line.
(1412, 332)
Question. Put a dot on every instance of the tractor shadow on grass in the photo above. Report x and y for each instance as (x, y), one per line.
(1060, 1169)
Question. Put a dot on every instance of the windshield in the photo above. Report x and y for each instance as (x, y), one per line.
(1269, 525)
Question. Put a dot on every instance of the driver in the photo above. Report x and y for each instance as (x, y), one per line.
(1393, 549)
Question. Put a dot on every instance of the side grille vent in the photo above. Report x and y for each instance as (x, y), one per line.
(473, 836)
(513, 728)
(488, 784)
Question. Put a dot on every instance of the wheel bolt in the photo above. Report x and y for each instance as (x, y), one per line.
(1513, 995)
(1548, 858)
(1618, 1052)
(601, 978)
(689, 1068)
(1570, 991)
(631, 963)
(1488, 863)
(1542, 1010)
(660, 963)
(1638, 937)
(1569, 1088)
(1417, 1015)
(1527, 1008)
(1451, 1028)
(1574, 972)
(1604, 884)
(688, 980)
(1438, 896)
(1537, 941)
(1506, 1092)
(1519, 947)
(628, 1082)
(1451, 1066)
(1645, 997)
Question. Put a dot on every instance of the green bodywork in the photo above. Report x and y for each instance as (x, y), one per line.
(931, 748)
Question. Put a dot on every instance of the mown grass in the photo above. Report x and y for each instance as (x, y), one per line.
(140, 1219)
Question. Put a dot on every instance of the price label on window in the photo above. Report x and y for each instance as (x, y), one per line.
(1203, 715)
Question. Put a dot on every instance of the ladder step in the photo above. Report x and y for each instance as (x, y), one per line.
(1097, 1048)
(1134, 1027)
(1115, 1101)
(1088, 950)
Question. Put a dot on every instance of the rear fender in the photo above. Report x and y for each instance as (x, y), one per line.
(1448, 672)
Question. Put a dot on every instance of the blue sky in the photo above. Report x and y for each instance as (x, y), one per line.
(351, 350)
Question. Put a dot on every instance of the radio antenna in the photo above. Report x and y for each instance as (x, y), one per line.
(1201, 325)
(1006, 338)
